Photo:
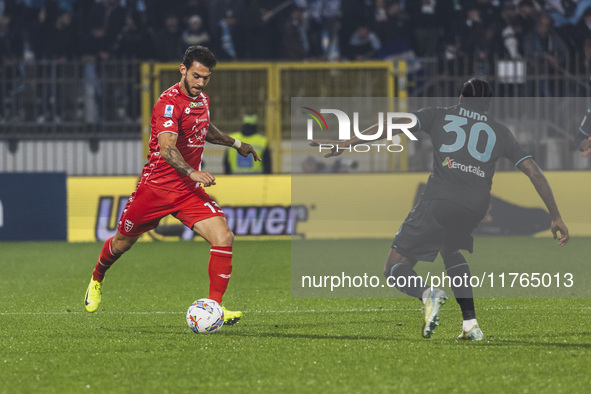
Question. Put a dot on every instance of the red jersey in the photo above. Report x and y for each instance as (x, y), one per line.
(188, 117)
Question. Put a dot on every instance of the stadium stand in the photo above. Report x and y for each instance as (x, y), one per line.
(72, 69)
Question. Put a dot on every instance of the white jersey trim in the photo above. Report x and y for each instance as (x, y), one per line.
(219, 251)
(167, 131)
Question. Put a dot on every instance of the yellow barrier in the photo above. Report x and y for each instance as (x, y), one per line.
(571, 190)
(255, 206)
(314, 206)
(374, 206)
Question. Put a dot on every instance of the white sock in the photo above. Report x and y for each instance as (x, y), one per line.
(469, 324)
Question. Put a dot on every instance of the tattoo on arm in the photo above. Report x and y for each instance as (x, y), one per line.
(215, 136)
(173, 157)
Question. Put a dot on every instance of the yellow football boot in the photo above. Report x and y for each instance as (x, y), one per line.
(231, 317)
(93, 296)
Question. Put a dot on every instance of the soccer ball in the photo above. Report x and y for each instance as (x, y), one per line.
(205, 316)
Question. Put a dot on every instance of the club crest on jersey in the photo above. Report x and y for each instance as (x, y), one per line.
(194, 104)
(168, 111)
(128, 225)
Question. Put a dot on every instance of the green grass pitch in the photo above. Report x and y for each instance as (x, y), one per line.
(138, 340)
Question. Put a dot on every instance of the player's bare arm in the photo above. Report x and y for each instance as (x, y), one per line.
(173, 157)
(216, 136)
(538, 179)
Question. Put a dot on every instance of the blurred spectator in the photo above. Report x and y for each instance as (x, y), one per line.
(228, 33)
(586, 59)
(195, 33)
(267, 25)
(512, 36)
(323, 28)
(111, 15)
(94, 43)
(95, 49)
(295, 35)
(568, 7)
(196, 7)
(57, 38)
(12, 42)
(262, 36)
(484, 53)
(582, 30)
(565, 11)
(167, 42)
(364, 44)
(427, 18)
(389, 22)
(508, 12)
(511, 33)
(489, 13)
(584, 69)
(158, 11)
(11, 70)
(57, 41)
(381, 19)
(526, 15)
(472, 27)
(352, 14)
(135, 40)
(546, 53)
(477, 42)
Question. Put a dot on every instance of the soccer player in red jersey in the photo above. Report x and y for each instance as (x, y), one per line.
(172, 181)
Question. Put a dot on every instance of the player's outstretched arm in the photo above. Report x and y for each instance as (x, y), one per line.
(173, 157)
(215, 136)
(537, 178)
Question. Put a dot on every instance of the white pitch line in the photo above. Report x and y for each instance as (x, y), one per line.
(245, 311)
(272, 311)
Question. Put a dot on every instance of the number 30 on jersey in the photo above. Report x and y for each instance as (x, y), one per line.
(456, 125)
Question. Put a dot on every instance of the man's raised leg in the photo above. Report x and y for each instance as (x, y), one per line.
(399, 270)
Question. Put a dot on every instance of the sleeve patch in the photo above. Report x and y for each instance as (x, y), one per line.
(168, 111)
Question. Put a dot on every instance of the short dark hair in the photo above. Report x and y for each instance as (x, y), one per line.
(200, 54)
(476, 93)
